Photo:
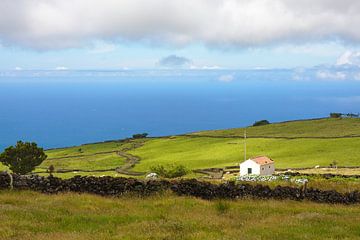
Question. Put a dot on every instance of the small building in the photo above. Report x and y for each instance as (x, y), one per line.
(257, 166)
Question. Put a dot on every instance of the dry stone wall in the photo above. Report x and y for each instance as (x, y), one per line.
(109, 186)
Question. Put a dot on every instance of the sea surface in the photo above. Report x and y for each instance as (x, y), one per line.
(66, 108)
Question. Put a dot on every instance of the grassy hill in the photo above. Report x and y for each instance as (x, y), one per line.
(317, 128)
(291, 144)
(207, 152)
(31, 215)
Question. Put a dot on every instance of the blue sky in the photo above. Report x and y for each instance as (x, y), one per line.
(133, 34)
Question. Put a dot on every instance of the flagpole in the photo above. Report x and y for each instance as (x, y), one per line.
(245, 145)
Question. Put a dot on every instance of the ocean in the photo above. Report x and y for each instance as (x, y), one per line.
(66, 108)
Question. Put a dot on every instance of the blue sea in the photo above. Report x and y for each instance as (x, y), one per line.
(65, 108)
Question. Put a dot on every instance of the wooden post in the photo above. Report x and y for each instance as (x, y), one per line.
(11, 180)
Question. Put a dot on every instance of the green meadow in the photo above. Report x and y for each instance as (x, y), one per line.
(318, 128)
(292, 144)
(205, 152)
(31, 215)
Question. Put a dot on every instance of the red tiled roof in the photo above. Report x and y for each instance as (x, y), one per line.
(262, 160)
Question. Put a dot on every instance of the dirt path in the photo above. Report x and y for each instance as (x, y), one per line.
(130, 160)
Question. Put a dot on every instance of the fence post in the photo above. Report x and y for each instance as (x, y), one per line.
(11, 180)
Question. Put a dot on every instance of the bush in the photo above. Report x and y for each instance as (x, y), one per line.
(51, 170)
(172, 171)
(140, 135)
(222, 207)
(261, 123)
(335, 115)
(23, 158)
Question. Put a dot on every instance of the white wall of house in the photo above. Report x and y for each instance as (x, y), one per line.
(256, 169)
(249, 164)
(267, 169)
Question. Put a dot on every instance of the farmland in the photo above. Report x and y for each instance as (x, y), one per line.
(291, 144)
(164, 215)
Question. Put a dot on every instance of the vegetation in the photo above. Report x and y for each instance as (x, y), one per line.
(318, 128)
(140, 135)
(335, 115)
(170, 171)
(23, 158)
(74, 216)
(206, 152)
(292, 144)
(261, 123)
(222, 206)
(346, 115)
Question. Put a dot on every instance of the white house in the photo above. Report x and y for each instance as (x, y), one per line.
(259, 166)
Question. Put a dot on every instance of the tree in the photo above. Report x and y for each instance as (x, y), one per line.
(335, 115)
(261, 123)
(140, 135)
(23, 158)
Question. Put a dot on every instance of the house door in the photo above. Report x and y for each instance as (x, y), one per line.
(249, 170)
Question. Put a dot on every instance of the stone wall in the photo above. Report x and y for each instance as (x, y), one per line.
(109, 186)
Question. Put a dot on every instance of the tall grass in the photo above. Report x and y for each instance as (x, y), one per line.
(30, 215)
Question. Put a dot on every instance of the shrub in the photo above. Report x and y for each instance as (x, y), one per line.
(23, 158)
(51, 169)
(140, 135)
(222, 207)
(261, 123)
(171, 171)
(335, 115)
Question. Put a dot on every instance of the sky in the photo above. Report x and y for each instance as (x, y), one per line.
(196, 34)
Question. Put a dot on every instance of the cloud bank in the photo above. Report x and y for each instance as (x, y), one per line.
(53, 24)
(174, 61)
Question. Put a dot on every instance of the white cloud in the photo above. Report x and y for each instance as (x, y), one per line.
(102, 47)
(349, 58)
(18, 69)
(206, 67)
(226, 78)
(51, 24)
(329, 75)
(61, 68)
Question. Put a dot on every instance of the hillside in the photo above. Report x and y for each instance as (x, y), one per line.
(205, 152)
(317, 128)
(291, 144)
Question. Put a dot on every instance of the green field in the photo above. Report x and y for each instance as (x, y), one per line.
(30, 215)
(291, 144)
(325, 127)
(218, 152)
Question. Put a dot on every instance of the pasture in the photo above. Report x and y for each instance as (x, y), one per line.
(291, 144)
(31, 215)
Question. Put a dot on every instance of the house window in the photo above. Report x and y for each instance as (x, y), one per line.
(269, 166)
(262, 168)
(249, 170)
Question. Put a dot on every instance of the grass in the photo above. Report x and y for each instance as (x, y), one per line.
(30, 215)
(326, 127)
(91, 157)
(311, 143)
(95, 162)
(218, 152)
(87, 149)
